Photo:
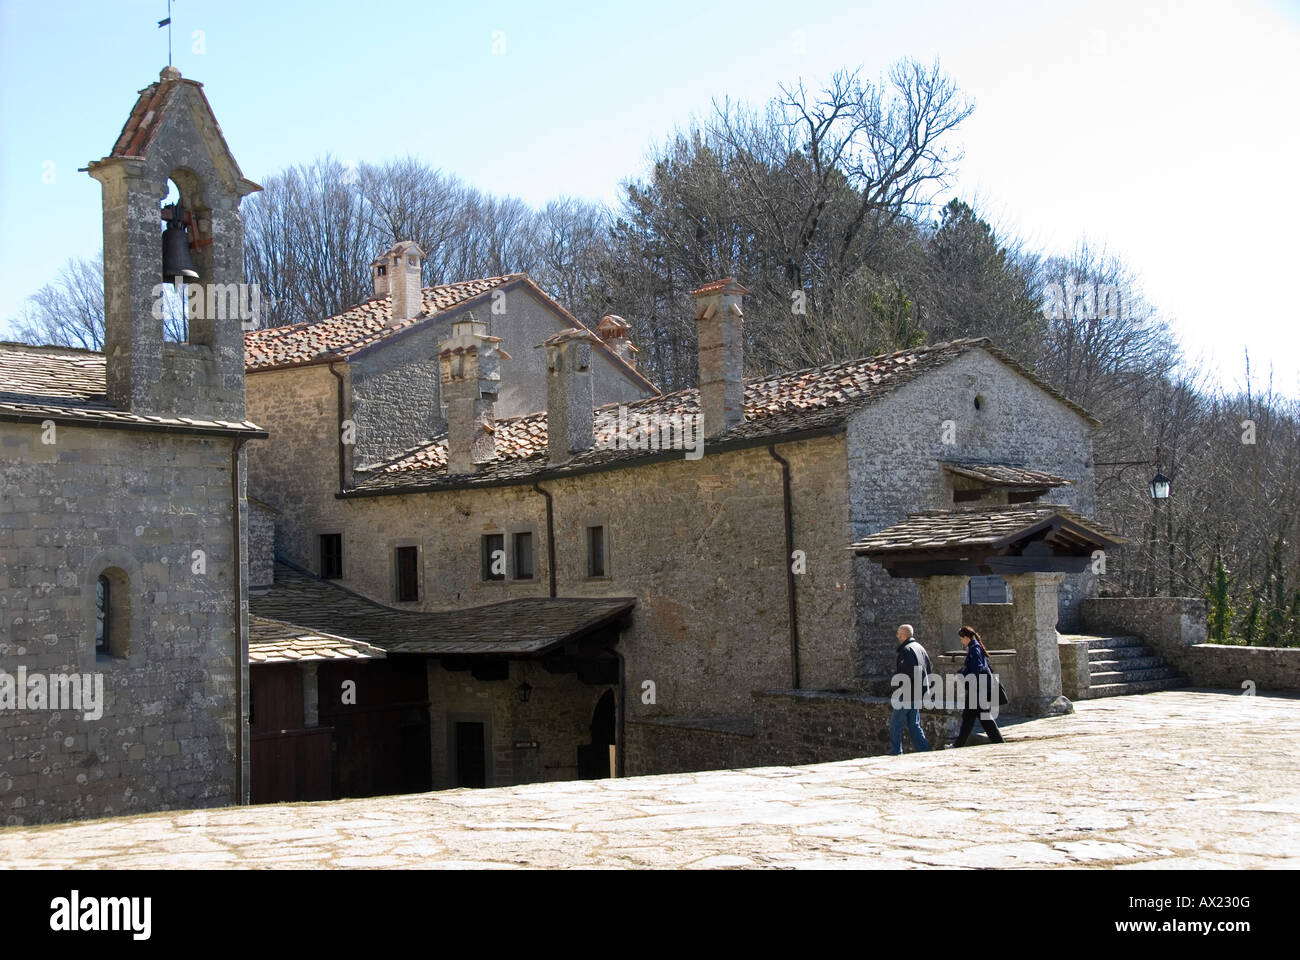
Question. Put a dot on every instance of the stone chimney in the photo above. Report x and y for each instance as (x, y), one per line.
(379, 274)
(569, 427)
(397, 274)
(614, 331)
(720, 323)
(470, 366)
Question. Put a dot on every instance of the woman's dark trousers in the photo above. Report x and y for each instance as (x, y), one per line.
(968, 724)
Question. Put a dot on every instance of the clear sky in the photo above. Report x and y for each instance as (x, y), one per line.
(1164, 131)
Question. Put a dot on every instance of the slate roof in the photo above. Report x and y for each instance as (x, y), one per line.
(1006, 475)
(804, 401)
(67, 384)
(348, 333)
(270, 641)
(987, 528)
(519, 627)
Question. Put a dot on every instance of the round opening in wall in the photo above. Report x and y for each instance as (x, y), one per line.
(979, 401)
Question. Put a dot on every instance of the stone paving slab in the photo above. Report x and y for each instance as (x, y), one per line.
(1181, 779)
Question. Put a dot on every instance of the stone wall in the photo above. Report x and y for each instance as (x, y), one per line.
(1007, 667)
(261, 544)
(814, 726)
(1176, 628)
(101, 500)
(1076, 668)
(686, 745)
(895, 453)
(395, 391)
(558, 716)
(295, 470)
(700, 544)
(992, 621)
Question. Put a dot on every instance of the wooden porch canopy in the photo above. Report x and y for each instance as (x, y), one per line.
(567, 634)
(1027, 538)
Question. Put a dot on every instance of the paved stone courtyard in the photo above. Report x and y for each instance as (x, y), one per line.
(1176, 779)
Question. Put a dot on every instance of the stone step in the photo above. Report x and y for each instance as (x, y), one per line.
(1101, 665)
(1146, 686)
(1101, 678)
(1111, 643)
(1118, 653)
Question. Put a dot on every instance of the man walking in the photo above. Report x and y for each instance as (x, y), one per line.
(913, 666)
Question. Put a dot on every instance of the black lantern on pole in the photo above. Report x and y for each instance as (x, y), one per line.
(1159, 487)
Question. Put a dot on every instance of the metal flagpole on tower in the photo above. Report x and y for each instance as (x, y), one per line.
(168, 24)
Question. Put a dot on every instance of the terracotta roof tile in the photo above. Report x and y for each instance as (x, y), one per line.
(346, 333)
(787, 403)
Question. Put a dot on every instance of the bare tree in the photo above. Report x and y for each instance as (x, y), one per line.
(309, 241)
(69, 311)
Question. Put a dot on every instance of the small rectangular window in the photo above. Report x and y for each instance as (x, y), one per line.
(494, 556)
(595, 551)
(406, 565)
(331, 556)
(523, 558)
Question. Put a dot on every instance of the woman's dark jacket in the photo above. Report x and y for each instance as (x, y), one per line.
(976, 662)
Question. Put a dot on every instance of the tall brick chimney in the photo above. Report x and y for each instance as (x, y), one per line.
(470, 366)
(720, 323)
(397, 274)
(614, 331)
(569, 426)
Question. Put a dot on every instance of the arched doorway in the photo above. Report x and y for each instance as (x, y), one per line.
(595, 758)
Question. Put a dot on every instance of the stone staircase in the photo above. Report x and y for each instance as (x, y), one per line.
(1124, 665)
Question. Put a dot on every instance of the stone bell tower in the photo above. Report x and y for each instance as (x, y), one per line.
(172, 134)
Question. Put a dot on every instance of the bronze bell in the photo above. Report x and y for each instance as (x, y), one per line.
(176, 251)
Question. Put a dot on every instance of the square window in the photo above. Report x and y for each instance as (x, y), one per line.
(494, 556)
(595, 551)
(331, 556)
(523, 556)
(406, 567)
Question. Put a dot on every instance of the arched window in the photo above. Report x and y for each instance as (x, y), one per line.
(112, 614)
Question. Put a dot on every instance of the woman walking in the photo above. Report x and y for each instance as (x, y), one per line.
(977, 664)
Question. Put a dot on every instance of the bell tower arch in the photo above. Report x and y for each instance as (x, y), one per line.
(173, 135)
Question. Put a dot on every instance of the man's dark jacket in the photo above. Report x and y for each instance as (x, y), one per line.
(914, 663)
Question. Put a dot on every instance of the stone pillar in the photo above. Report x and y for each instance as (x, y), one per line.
(940, 613)
(1038, 661)
(719, 323)
(310, 696)
(569, 426)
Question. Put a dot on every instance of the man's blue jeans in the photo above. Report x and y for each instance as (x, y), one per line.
(911, 719)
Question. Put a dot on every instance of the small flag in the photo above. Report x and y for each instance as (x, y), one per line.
(163, 23)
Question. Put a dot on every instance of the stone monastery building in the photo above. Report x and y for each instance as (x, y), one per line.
(453, 536)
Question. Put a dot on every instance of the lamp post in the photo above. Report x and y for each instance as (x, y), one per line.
(1160, 489)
